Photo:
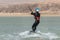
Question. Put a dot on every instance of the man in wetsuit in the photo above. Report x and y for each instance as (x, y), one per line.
(37, 19)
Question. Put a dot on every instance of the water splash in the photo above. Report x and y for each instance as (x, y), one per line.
(20, 36)
(48, 35)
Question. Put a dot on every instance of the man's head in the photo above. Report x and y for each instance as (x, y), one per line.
(37, 9)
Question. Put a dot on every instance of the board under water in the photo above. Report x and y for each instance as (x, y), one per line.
(27, 34)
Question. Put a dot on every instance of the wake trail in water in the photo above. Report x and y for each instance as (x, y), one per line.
(25, 35)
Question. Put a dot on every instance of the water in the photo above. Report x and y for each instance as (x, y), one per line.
(11, 27)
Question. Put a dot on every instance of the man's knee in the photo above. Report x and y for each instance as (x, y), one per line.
(38, 22)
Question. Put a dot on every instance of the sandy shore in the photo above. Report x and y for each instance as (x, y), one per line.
(25, 14)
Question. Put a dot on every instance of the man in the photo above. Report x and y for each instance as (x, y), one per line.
(37, 19)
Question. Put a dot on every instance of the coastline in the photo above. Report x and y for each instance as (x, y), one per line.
(23, 14)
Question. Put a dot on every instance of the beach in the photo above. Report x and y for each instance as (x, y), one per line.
(26, 14)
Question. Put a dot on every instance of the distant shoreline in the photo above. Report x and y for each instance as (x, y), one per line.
(24, 14)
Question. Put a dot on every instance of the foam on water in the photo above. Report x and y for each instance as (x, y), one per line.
(48, 35)
(20, 36)
(27, 34)
(9, 37)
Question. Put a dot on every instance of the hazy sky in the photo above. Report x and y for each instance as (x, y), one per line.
(26, 1)
(17, 1)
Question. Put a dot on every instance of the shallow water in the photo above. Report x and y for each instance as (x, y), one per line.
(11, 27)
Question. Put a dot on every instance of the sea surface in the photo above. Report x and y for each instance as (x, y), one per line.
(11, 27)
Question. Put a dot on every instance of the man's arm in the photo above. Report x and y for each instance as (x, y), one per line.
(32, 13)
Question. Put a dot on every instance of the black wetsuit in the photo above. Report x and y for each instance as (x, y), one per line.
(37, 20)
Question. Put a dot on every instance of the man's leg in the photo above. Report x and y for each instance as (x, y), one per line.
(34, 26)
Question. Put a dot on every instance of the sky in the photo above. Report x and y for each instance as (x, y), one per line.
(17, 1)
(26, 1)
